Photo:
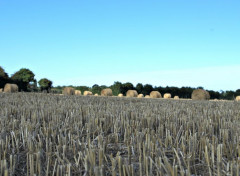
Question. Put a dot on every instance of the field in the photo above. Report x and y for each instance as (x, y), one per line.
(44, 134)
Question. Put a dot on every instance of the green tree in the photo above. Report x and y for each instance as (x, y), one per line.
(214, 94)
(103, 86)
(174, 91)
(147, 88)
(45, 84)
(23, 78)
(229, 95)
(125, 87)
(82, 88)
(33, 86)
(139, 88)
(96, 89)
(237, 92)
(3, 77)
(186, 92)
(116, 88)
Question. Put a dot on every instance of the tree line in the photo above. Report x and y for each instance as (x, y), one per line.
(25, 79)
(182, 92)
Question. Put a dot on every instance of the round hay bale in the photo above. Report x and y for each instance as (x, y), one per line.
(200, 94)
(68, 91)
(176, 98)
(167, 95)
(10, 88)
(120, 95)
(106, 92)
(207, 94)
(238, 98)
(131, 93)
(78, 92)
(96, 94)
(147, 96)
(155, 94)
(86, 92)
(140, 96)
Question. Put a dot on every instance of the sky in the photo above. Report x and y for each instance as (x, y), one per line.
(85, 42)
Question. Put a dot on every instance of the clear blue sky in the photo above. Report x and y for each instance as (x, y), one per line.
(82, 42)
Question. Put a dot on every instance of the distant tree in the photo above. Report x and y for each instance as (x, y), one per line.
(229, 95)
(103, 87)
(96, 89)
(173, 90)
(57, 90)
(95, 85)
(45, 84)
(139, 88)
(23, 78)
(147, 88)
(116, 87)
(168, 90)
(186, 92)
(3, 74)
(237, 92)
(82, 88)
(160, 89)
(214, 95)
(126, 86)
(3, 77)
(33, 86)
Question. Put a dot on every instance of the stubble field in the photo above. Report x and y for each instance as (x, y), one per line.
(44, 134)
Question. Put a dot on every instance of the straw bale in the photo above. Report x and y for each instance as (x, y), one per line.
(106, 92)
(167, 95)
(238, 98)
(131, 93)
(86, 92)
(200, 94)
(176, 97)
(78, 92)
(120, 95)
(68, 91)
(10, 88)
(155, 94)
